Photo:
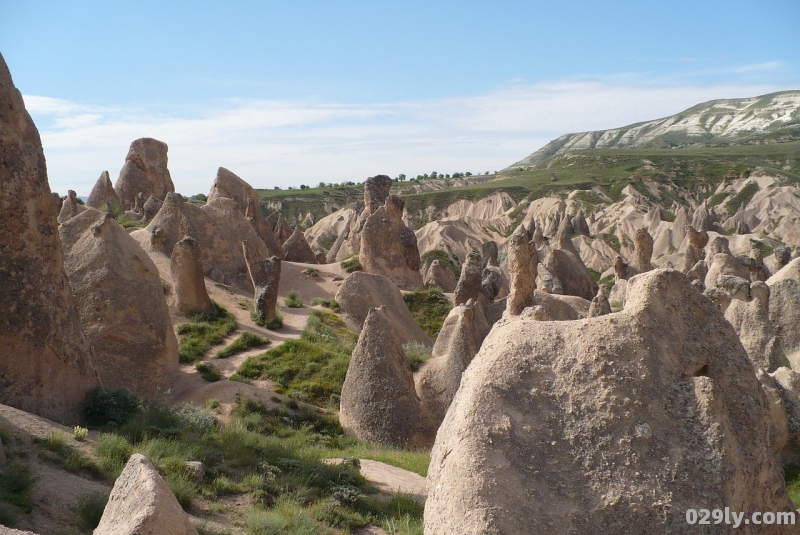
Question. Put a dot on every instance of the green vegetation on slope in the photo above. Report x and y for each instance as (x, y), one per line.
(429, 309)
(245, 341)
(444, 258)
(204, 331)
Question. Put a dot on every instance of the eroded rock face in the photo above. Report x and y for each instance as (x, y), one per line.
(643, 251)
(573, 274)
(439, 378)
(121, 302)
(103, 196)
(702, 435)
(45, 363)
(70, 207)
(141, 503)
(187, 273)
(439, 275)
(297, 249)
(379, 404)
(469, 284)
(548, 282)
(150, 208)
(522, 269)
(265, 273)
(362, 291)
(491, 283)
(600, 305)
(281, 231)
(389, 247)
(750, 317)
(376, 190)
(145, 171)
(230, 185)
(784, 310)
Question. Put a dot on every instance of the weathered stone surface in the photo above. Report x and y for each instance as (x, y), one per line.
(548, 282)
(70, 207)
(121, 302)
(281, 231)
(749, 315)
(724, 264)
(297, 249)
(469, 284)
(376, 190)
(379, 404)
(229, 185)
(600, 305)
(784, 411)
(643, 251)
(389, 247)
(439, 275)
(701, 435)
(573, 274)
(150, 208)
(489, 254)
(189, 283)
(103, 196)
(362, 291)
(522, 269)
(491, 283)
(218, 227)
(141, 503)
(784, 310)
(145, 171)
(265, 273)
(580, 225)
(45, 363)
(439, 378)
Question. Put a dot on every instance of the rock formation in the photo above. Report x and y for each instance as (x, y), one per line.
(489, 254)
(229, 185)
(379, 404)
(437, 275)
(512, 456)
(70, 207)
(600, 305)
(121, 302)
(265, 274)
(145, 171)
(522, 269)
(103, 196)
(389, 247)
(573, 274)
(469, 284)
(721, 262)
(281, 231)
(548, 282)
(45, 363)
(749, 315)
(362, 291)
(491, 283)
(784, 310)
(296, 248)
(189, 283)
(376, 191)
(643, 251)
(141, 503)
(439, 378)
(151, 207)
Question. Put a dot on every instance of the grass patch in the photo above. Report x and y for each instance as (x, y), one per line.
(245, 341)
(327, 303)
(744, 196)
(429, 309)
(273, 324)
(311, 368)
(417, 354)
(16, 484)
(351, 264)
(89, 509)
(208, 371)
(328, 242)
(205, 330)
(792, 478)
(56, 450)
(444, 258)
(292, 299)
(127, 222)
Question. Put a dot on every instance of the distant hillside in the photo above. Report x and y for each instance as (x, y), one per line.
(766, 119)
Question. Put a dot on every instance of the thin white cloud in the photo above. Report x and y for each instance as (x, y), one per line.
(271, 143)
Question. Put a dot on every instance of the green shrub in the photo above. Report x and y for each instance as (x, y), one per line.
(89, 509)
(792, 477)
(184, 490)
(352, 264)
(327, 303)
(80, 433)
(416, 354)
(208, 371)
(114, 451)
(273, 324)
(292, 299)
(205, 330)
(444, 258)
(16, 483)
(744, 196)
(110, 407)
(245, 341)
(429, 309)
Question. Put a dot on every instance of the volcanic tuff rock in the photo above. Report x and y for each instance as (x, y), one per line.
(151, 207)
(469, 284)
(265, 274)
(784, 310)
(228, 184)
(121, 301)
(379, 403)
(70, 207)
(189, 283)
(296, 248)
(439, 275)
(362, 291)
(145, 171)
(750, 318)
(701, 437)
(218, 227)
(389, 247)
(41, 343)
(103, 196)
(522, 269)
(141, 503)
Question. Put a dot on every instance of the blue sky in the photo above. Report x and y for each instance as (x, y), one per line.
(284, 93)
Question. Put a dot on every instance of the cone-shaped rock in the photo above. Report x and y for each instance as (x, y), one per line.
(103, 196)
(187, 273)
(297, 249)
(45, 363)
(70, 207)
(145, 171)
(440, 275)
(469, 284)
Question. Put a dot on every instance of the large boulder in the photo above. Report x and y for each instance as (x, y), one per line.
(297, 249)
(613, 424)
(219, 229)
(45, 363)
(103, 196)
(123, 309)
(573, 274)
(188, 281)
(379, 404)
(389, 247)
(228, 184)
(141, 503)
(784, 310)
(362, 291)
(145, 171)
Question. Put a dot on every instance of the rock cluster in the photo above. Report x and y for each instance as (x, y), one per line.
(145, 171)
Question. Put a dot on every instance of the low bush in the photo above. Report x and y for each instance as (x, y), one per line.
(352, 264)
(273, 324)
(416, 354)
(327, 303)
(110, 407)
(292, 299)
(245, 341)
(208, 371)
(89, 509)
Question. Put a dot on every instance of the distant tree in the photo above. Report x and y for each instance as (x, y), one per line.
(467, 174)
(486, 173)
(434, 175)
(447, 176)
(303, 186)
(401, 177)
(80, 201)
(290, 187)
(200, 197)
(321, 185)
(276, 188)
